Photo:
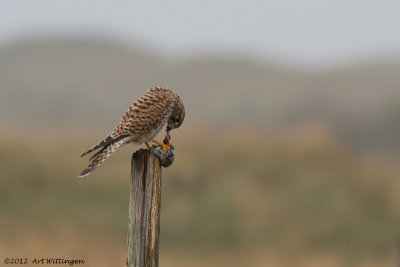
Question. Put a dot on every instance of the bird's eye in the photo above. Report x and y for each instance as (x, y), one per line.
(177, 121)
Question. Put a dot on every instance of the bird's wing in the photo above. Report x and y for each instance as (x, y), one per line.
(146, 115)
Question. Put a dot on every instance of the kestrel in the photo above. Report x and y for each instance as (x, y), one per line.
(141, 123)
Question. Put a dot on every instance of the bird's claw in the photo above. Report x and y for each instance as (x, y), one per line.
(164, 146)
(167, 158)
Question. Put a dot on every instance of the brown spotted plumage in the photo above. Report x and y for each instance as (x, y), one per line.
(141, 123)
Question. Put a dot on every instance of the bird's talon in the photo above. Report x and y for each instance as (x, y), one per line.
(165, 147)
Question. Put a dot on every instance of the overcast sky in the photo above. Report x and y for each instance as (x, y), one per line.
(310, 32)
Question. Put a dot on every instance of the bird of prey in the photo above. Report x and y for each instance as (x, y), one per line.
(141, 123)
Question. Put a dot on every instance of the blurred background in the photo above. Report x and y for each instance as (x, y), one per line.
(288, 155)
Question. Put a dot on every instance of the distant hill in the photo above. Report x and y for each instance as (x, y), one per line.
(56, 82)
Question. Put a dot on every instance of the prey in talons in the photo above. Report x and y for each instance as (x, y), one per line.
(144, 119)
(164, 151)
(165, 145)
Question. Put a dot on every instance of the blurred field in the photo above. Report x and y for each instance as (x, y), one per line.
(71, 83)
(226, 201)
(274, 167)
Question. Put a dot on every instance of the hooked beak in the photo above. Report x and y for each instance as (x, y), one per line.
(169, 126)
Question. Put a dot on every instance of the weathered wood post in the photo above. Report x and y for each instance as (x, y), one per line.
(144, 210)
(144, 206)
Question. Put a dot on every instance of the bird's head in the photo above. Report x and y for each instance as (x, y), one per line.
(177, 117)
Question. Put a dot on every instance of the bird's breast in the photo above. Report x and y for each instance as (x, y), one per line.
(140, 138)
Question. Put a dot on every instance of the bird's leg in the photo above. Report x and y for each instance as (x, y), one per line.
(163, 146)
(148, 146)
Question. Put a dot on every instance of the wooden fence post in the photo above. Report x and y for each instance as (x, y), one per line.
(144, 210)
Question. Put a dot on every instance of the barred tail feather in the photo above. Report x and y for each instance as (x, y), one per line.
(109, 140)
(101, 156)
